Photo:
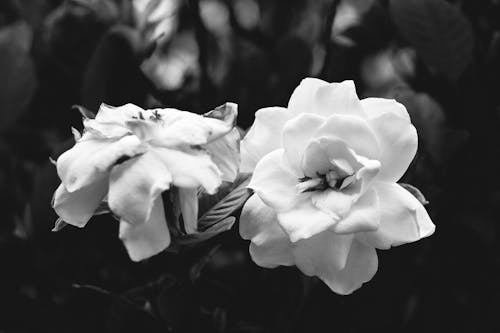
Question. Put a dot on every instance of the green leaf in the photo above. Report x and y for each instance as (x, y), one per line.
(415, 192)
(439, 31)
(228, 204)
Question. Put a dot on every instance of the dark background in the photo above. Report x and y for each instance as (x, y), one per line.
(439, 58)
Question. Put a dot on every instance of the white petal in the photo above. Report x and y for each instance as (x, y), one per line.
(264, 136)
(146, 239)
(334, 203)
(270, 246)
(361, 266)
(90, 159)
(273, 183)
(297, 134)
(305, 220)
(375, 107)
(320, 153)
(398, 145)
(403, 219)
(303, 97)
(322, 255)
(363, 216)
(338, 98)
(76, 208)
(225, 153)
(188, 198)
(354, 131)
(134, 186)
(191, 168)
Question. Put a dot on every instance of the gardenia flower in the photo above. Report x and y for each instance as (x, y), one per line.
(128, 156)
(324, 175)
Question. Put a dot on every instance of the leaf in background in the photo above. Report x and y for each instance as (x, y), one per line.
(19, 82)
(415, 192)
(439, 31)
(228, 204)
(156, 18)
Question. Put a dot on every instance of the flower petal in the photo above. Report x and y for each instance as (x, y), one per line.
(322, 255)
(76, 208)
(354, 131)
(264, 136)
(333, 203)
(360, 267)
(305, 220)
(375, 107)
(303, 97)
(90, 159)
(225, 153)
(320, 153)
(149, 238)
(338, 98)
(273, 183)
(364, 215)
(403, 219)
(270, 246)
(191, 168)
(134, 186)
(398, 145)
(188, 198)
(296, 136)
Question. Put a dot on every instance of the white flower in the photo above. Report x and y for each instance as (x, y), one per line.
(128, 156)
(325, 172)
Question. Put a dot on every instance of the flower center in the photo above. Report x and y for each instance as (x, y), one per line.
(338, 177)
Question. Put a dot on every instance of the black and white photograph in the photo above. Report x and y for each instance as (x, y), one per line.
(249, 166)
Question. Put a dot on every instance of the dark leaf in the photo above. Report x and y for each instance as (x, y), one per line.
(439, 31)
(227, 205)
(18, 82)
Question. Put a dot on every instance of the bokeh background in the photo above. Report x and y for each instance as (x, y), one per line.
(440, 58)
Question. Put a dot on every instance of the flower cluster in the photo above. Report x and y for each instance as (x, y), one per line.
(324, 175)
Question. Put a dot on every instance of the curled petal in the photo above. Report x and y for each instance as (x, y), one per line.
(338, 98)
(76, 208)
(264, 136)
(149, 238)
(191, 168)
(375, 107)
(296, 136)
(398, 145)
(222, 120)
(403, 219)
(354, 131)
(225, 153)
(273, 183)
(90, 159)
(364, 215)
(305, 220)
(320, 153)
(134, 186)
(270, 246)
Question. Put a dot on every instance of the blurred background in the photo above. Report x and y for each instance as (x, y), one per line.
(440, 58)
